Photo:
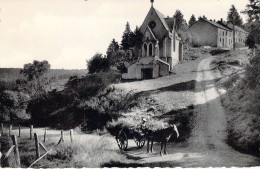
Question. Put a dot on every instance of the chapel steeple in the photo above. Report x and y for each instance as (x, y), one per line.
(152, 2)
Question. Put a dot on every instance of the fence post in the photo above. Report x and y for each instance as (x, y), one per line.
(45, 133)
(71, 135)
(16, 150)
(37, 145)
(10, 130)
(62, 136)
(19, 131)
(31, 131)
(2, 128)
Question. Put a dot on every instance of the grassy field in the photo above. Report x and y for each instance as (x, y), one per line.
(85, 151)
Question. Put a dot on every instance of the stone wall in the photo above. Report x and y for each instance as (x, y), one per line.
(163, 69)
(135, 70)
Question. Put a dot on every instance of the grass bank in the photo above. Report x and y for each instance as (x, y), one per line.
(242, 101)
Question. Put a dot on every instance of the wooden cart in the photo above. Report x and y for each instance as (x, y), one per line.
(124, 134)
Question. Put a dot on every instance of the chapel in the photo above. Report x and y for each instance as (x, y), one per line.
(161, 47)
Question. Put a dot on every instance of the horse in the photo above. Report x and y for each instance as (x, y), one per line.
(163, 136)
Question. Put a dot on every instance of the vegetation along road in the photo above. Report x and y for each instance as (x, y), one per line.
(207, 144)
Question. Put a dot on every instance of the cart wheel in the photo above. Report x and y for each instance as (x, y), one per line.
(122, 141)
(140, 141)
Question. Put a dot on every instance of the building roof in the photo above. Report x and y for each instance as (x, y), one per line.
(169, 21)
(237, 28)
(161, 16)
(230, 26)
(216, 24)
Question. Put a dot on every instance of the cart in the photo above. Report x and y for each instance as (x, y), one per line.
(124, 134)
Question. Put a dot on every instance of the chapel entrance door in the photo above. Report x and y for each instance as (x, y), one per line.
(147, 73)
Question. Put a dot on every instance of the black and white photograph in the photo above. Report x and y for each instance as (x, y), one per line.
(129, 83)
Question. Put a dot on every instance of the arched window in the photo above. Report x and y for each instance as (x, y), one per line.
(150, 49)
(145, 49)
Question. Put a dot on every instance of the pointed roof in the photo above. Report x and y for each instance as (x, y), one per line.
(161, 16)
(170, 22)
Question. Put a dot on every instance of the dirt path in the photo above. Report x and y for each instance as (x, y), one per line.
(206, 147)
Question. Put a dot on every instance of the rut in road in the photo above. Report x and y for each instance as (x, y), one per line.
(210, 123)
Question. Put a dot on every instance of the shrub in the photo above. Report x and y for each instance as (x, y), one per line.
(40, 108)
(8, 85)
(253, 37)
(253, 72)
(6, 105)
(89, 85)
(121, 67)
(62, 108)
(98, 63)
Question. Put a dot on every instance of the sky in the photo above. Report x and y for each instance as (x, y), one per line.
(67, 32)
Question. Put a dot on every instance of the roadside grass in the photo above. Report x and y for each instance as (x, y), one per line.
(84, 151)
(231, 62)
(241, 101)
(93, 152)
(243, 124)
(196, 53)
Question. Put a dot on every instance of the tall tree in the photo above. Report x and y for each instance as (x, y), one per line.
(112, 48)
(35, 70)
(37, 80)
(137, 40)
(179, 19)
(253, 12)
(127, 38)
(192, 20)
(233, 15)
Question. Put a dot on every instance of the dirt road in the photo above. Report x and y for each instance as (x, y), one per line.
(206, 147)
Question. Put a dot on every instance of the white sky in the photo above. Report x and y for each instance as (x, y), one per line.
(67, 32)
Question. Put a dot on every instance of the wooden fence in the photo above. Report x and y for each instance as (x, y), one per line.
(38, 144)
